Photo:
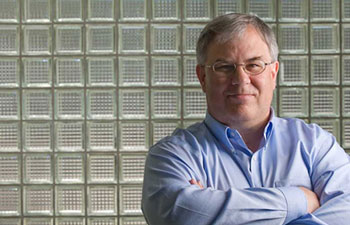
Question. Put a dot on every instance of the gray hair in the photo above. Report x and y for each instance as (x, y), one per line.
(230, 26)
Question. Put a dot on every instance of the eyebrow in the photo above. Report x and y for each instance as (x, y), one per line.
(247, 60)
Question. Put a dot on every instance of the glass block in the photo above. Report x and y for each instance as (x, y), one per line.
(70, 200)
(101, 10)
(346, 38)
(133, 71)
(38, 221)
(9, 39)
(166, 10)
(100, 38)
(37, 10)
(37, 104)
(10, 221)
(69, 104)
(132, 167)
(166, 71)
(197, 10)
(38, 200)
(293, 10)
(195, 104)
(9, 101)
(294, 70)
(133, 104)
(37, 136)
(133, 221)
(132, 39)
(102, 136)
(188, 123)
(69, 136)
(134, 136)
(9, 12)
(293, 38)
(70, 168)
(9, 137)
(324, 38)
(102, 200)
(70, 221)
(69, 72)
(346, 70)
(37, 168)
(346, 101)
(102, 221)
(165, 39)
(10, 167)
(325, 70)
(101, 168)
(166, 104)
(101, 72)
(345, 7)
(69, 39)
(133, 9)
(10, 201)
(330, 125)
(325, 102)
(191, 35)
(37, 72)
(69, 10)
(162, 129)
(346, 133)
(265, 9)
(130, 199)
(190, 76)
(101, 104)
(228, 6)
(37, 39)
(324, 10)
(9, 72)
(293, 102)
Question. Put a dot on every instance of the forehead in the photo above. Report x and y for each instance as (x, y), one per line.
(250, 44)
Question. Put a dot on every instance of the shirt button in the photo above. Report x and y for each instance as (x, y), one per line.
(254, 157)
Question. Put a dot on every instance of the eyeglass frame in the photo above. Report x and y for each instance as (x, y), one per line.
(240, 64)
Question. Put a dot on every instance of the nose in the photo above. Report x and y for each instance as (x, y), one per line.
(240, 76)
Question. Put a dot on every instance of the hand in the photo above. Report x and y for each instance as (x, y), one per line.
(312, 200)
(198, 183)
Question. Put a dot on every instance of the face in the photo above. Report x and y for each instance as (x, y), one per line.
(239, 97)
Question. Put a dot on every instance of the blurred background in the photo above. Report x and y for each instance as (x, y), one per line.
(87, 86)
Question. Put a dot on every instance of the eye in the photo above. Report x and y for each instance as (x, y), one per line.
(254, 67)
(225, 68)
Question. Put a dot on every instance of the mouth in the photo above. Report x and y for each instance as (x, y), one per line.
(240, 97)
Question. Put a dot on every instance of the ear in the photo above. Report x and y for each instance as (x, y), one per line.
(200, 71)
(274, 72)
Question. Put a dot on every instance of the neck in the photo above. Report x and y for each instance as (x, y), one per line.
(252, 137)
(252, 133)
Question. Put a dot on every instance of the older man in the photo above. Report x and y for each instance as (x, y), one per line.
(242, 164)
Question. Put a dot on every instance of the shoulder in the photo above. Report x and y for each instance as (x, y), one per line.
(297, 131)
(189, 139)
(298, 126)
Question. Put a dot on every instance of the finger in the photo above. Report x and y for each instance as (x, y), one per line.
(198, 183)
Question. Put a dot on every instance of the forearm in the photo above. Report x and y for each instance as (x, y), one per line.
(334, 212)
(168, 198)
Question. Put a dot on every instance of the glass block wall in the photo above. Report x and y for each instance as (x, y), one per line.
(86, 86)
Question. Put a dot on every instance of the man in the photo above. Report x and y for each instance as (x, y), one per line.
(242, 164)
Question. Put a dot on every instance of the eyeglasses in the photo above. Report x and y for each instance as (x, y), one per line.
(253, 67)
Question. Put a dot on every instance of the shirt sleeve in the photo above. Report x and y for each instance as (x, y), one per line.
(331, 182)
(168, 197)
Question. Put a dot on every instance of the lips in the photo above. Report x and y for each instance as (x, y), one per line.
(240, 97)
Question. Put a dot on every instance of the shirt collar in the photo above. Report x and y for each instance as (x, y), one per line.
(222, 132)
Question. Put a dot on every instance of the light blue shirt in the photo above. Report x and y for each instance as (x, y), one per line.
(245, 188)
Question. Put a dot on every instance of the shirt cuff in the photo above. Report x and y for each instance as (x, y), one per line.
(296, 203)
